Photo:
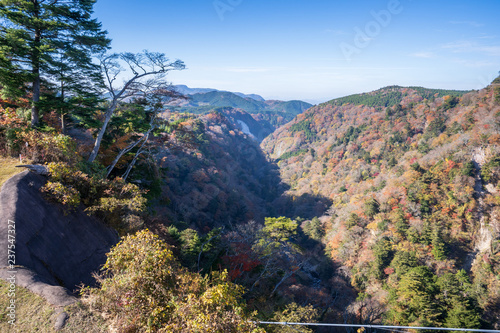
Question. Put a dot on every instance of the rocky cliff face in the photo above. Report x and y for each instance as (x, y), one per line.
(52, 249)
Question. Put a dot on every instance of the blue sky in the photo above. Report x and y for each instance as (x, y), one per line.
(313, 50)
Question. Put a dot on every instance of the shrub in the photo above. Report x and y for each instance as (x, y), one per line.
(403, 261)
(280, 229)
(491, 170)
(40, 145)
(62, 194)
(468, 169)
(294, 313)
(47, 147)
(353, 220)
(372, 207)
(11, 125)
(116, 202)
(144, 289)
(90, 188)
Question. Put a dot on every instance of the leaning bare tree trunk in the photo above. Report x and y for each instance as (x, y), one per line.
(109, 114)
(102, 131)
(121, 153)
(139, 152)
(142, 65)
(152, 127)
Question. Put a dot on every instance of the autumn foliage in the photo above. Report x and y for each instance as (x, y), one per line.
(406, 170)
(144, 289)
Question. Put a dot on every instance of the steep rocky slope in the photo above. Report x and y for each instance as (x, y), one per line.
(256, 129)
(54, 251)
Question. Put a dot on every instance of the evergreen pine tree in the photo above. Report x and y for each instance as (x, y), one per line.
(438, 245)
(414, 303)
(461, 310)
(48, 43)
(382, 251)
(372, 207)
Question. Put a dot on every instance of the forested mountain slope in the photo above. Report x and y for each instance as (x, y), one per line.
(256, 129)
(270, 112)
(413, 176)
(222, 177)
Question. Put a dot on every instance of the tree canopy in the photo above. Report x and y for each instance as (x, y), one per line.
(48, 44)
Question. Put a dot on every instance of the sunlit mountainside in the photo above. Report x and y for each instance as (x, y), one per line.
(413, 178)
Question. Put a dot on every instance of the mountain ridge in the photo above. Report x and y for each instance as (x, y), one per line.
(185, 90)
(370, 98)
(269, 113)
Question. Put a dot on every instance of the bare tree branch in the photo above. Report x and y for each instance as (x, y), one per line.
(143, 65)
(121, 153)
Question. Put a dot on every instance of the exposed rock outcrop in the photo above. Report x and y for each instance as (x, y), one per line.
(36, 168)
(484, 237)
(54, 252)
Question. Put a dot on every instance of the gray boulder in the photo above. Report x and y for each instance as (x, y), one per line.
(54, 252)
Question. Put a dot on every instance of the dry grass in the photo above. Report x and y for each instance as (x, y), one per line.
(8, 168)
(34, 314)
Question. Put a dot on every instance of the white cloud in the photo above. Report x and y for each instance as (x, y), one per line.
(491, 50)
(487, 37)
(459, 46)
(246, 69)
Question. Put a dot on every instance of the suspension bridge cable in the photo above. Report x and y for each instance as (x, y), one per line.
(392, 330)
(380, 326)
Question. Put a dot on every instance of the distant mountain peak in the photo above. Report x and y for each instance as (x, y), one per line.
(270, 114)
(183, 89)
